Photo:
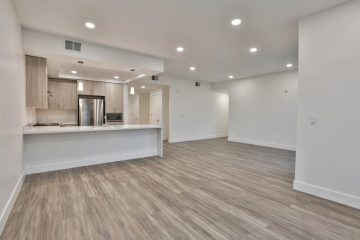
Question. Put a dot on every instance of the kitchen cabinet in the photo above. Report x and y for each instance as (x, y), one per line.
(114, 98)
(36, 82)
(91, 88)
(62, 94)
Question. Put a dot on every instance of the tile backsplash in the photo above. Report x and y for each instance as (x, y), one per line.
(55, 116)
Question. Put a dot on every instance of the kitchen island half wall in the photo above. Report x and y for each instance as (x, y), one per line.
(55, 148)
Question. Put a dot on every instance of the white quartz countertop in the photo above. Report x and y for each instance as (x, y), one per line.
(29, 130)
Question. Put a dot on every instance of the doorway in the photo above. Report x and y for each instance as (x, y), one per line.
(149, 104)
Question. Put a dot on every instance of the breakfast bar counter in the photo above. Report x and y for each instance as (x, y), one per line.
(53, 148)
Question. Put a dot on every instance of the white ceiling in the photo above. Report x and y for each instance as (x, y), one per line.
(202, 27)
(62, 67)
(148, 87)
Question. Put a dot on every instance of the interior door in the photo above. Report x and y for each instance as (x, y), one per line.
(156, 107)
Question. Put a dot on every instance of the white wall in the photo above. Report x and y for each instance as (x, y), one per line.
(12, 108)
(222, 114)
(192, 109)
(328, 157)
(263, 110)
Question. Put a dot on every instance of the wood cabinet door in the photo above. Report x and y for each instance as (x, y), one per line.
(62, 94)
(118, 98)
(109, 98)
(51, 94)
(67, 94)
(97, 88)
(36, 82)
(84, 87)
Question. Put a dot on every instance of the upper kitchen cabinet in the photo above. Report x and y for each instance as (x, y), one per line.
(36, 82)
(62, 94)
(114, 98)
(91, 88)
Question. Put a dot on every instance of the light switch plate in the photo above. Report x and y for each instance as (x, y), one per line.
(313, 121)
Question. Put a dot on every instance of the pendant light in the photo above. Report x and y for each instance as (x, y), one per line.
(80, 86)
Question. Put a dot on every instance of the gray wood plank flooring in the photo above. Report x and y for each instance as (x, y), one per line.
(210, 189)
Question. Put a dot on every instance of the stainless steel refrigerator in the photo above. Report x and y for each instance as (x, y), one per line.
(91, 111)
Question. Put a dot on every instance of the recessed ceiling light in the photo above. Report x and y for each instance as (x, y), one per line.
(180, 49)
(236, 22)
(142, 86)
(90, 25)
(192, 68)
(254, 50)
(289, 65)
(73, 72)
(231, 76)
(116, 77)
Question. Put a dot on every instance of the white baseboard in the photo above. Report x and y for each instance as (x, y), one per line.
(263, 144)
(9, 205)
(195, 138)
(346, 199)
(87, 162)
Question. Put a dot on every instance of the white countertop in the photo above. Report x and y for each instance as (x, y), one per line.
(28, 130)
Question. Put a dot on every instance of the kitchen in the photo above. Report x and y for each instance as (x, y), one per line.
(80, 110)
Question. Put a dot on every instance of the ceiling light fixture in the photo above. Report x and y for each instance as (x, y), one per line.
(142, 86)
(116, 77)
(90, 25)
(73, 72)
(236, 22)
(254, 50)
(180, 49)
(192, 68)
(231, 76)
(289, 65)
(132, 90)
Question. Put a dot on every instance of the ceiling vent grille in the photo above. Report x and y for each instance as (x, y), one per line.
(72, 46)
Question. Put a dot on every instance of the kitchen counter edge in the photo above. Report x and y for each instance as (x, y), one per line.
(30, 130)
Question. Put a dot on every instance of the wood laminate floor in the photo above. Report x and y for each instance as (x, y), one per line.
(209, 189)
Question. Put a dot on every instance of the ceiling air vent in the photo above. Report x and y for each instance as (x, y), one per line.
(72, 46)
